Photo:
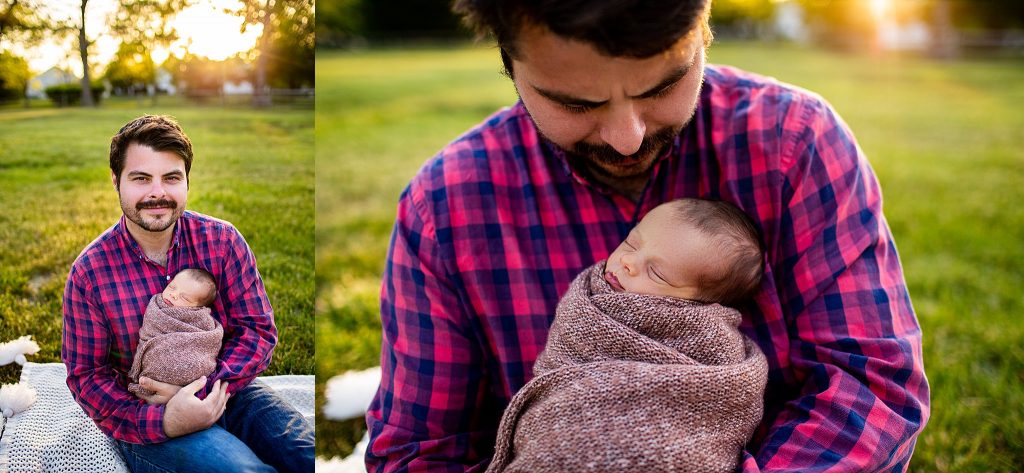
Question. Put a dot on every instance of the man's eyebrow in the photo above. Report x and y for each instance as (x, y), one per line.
(176, 172)
(567, 99)
(138, 173)
(672, 78)
(559, 97)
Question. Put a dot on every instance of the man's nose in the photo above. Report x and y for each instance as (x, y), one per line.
(156, 189)
(624, 129)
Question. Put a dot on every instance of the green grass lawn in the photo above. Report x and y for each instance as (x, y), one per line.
(944, 138)
(252, 168)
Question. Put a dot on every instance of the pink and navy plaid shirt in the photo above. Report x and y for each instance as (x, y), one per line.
(491, 232)
(105, 299)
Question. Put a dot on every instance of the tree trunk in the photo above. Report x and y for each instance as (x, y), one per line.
(261, 98)
(83, 49)
(946, 46)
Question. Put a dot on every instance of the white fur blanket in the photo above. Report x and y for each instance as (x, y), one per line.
(55, 435)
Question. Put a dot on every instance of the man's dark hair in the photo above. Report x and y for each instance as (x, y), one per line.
(160, 132)
(620, 28)
(739, 246)
(206, 278)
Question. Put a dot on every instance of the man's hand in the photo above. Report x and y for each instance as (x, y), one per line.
(163, 392)
(185, 413)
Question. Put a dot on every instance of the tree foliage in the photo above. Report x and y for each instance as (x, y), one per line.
(202, 76)
(286, 48)
(146, 22)
(132, 68)
(732, 11)
(21, 20)
(14, 76)
(338, 21)
(292, 47)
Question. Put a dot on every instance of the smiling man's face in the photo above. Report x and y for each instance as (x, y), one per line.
(153, 188)
(612, 115)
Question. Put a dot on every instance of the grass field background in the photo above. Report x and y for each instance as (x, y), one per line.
(945, 139)
(252, 168)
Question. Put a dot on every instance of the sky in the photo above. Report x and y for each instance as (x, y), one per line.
(203, 28)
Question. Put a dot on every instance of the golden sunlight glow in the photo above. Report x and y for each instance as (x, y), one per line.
(879, 8)
(205, 29)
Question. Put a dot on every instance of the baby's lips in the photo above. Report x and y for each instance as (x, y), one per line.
(613, 281)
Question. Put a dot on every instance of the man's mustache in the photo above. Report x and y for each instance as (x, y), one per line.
(607, 154)
(157, 204)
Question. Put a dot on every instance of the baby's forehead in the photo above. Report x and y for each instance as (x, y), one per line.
(187, 278)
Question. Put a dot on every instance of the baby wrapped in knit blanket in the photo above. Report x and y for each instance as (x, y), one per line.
(179, 339)
(644, 368)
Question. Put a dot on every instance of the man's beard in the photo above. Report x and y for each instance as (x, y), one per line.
(604, 161)
(134, 213)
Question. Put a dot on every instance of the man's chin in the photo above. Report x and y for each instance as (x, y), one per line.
(626, 170)
(155, 225)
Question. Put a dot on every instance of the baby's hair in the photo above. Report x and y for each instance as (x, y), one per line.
(206, 278)
(738, 242)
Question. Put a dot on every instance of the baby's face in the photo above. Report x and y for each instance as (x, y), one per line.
(661, 256)
(184, 291)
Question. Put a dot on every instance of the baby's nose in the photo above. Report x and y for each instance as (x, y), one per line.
(627, 265)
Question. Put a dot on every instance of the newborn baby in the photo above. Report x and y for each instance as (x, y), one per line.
(179, 339)
(644, 367)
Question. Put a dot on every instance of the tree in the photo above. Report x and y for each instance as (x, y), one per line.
(292, 53)
(131, 69)
(204, 78)
(21, 17)
(732, 11)
(145, 25)
(14, 76)
(279, 17)
(83, 50)
(338, 22)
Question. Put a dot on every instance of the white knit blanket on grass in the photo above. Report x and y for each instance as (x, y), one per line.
(56, 436)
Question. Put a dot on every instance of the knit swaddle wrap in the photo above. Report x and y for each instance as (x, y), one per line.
(631, 382)
(177, 345)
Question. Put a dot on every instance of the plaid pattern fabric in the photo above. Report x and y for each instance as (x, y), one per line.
(491, 232)
(105, 299)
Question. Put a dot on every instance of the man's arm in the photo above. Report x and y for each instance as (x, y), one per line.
(854, 341)
(249, 331)
(93, 383)
(432, 390)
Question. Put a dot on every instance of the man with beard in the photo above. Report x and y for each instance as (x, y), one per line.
(223, 422)
(618, 113)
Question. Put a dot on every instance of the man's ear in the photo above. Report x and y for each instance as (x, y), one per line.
(113, 180)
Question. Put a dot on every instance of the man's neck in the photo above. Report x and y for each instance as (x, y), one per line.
(631, 187)
(153, 244)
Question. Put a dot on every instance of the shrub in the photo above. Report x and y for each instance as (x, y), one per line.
(71, 94)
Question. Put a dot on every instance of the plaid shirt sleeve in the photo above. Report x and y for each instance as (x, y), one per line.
(860, 396)
(249, 334)
(91, 378)
(418, 422)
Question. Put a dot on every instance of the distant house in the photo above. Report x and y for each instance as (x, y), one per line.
(238, 88)
(789, 21)
(53, 76)
(914, 36)
(164, 82)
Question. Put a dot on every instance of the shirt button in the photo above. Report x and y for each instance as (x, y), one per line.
(168, 277)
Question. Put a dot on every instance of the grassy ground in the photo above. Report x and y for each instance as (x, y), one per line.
(252, 168)
(944, 138)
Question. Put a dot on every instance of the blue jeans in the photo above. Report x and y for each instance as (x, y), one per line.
(259, 432)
